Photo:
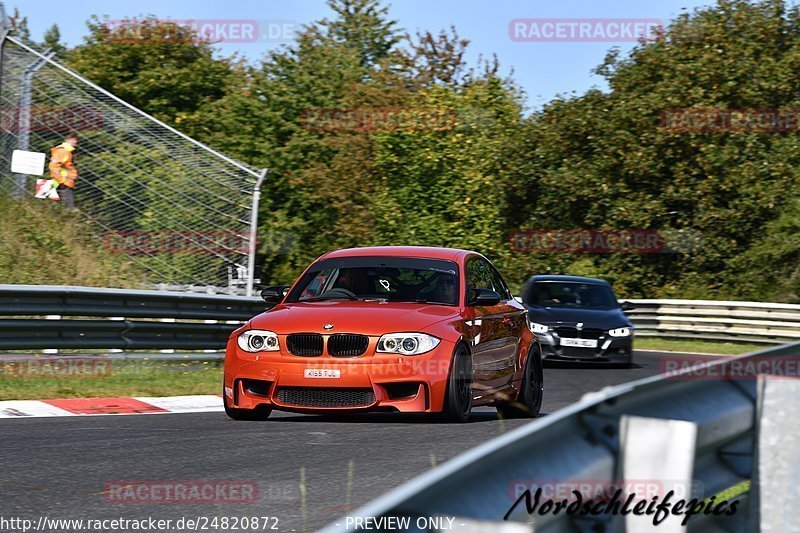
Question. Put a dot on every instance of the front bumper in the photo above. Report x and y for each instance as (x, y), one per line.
(371, 382)
(613, 350)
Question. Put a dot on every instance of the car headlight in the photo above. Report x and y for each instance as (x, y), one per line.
(407, 343)
(257, 340)
(539, 328)
(620, 332)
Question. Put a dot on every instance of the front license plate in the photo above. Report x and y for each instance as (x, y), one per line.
(321, 373)
(580, 343)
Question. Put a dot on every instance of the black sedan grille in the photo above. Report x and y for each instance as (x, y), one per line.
(347, 345)
(575, 333)
(304, 344)
(311, 397)
(579, 353)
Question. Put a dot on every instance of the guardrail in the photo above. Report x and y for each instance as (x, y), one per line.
(118, 318)
(128, 319)
(698, 432)
(771, 323)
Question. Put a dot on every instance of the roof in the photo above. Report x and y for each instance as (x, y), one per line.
(424, 252)
(574, 279)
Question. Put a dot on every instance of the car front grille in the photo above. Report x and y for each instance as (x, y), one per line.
(314, 397)
(347, 345)
(579, 353)
(575, 333)
(304, 344)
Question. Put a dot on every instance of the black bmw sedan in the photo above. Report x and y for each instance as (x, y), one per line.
(579, 319)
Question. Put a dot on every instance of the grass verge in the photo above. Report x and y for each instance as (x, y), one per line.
(89, 378)
(696, 346)
(42, 242)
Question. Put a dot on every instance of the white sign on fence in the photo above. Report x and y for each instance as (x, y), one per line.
(23, 162)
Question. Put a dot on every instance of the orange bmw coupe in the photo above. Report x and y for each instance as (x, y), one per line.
(404, 329)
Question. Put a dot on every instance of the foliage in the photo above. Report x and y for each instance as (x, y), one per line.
(154, 65)
(601, 160)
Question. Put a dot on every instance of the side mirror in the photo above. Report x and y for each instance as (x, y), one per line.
(274, 295)
(627, 306)
(484, 298)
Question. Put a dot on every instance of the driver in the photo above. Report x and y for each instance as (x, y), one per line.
(542, 296)
(357, 281)
(446, 288)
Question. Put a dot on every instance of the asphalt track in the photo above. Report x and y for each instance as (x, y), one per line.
(308, 469)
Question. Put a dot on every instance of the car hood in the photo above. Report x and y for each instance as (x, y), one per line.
(591, 318)
(368, 318)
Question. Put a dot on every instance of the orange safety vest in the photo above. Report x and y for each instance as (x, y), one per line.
(62, 168)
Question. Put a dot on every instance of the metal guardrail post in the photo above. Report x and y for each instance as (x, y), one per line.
(661, 453)
(775, 486)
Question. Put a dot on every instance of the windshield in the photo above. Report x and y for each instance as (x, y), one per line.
(571, 295)
(390, 279)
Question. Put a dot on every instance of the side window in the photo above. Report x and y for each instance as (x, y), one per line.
(499, 284)
(317, 285)
(478, 275)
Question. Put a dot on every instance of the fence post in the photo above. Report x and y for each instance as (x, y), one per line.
(251, 243)
(24, 114)
(5, 29)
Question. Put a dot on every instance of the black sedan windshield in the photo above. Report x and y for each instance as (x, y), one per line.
(391, 279)
(571, 295)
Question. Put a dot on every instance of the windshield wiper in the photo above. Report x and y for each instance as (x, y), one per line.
(432, 302)
(331, 297)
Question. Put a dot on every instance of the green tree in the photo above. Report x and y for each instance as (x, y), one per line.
(155, 65)
(52, 40)
(604, 161)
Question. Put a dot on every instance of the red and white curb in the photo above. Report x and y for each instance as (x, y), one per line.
(205, 403)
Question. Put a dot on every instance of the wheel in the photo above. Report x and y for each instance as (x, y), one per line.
(529, 400)
(261, 412)
(458, 398)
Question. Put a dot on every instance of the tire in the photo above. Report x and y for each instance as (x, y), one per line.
(529, 400)
(261, 412)
(458, 398)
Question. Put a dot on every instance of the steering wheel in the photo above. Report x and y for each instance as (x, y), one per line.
(340, 290)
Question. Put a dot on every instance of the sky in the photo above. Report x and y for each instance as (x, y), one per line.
(561, 65)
